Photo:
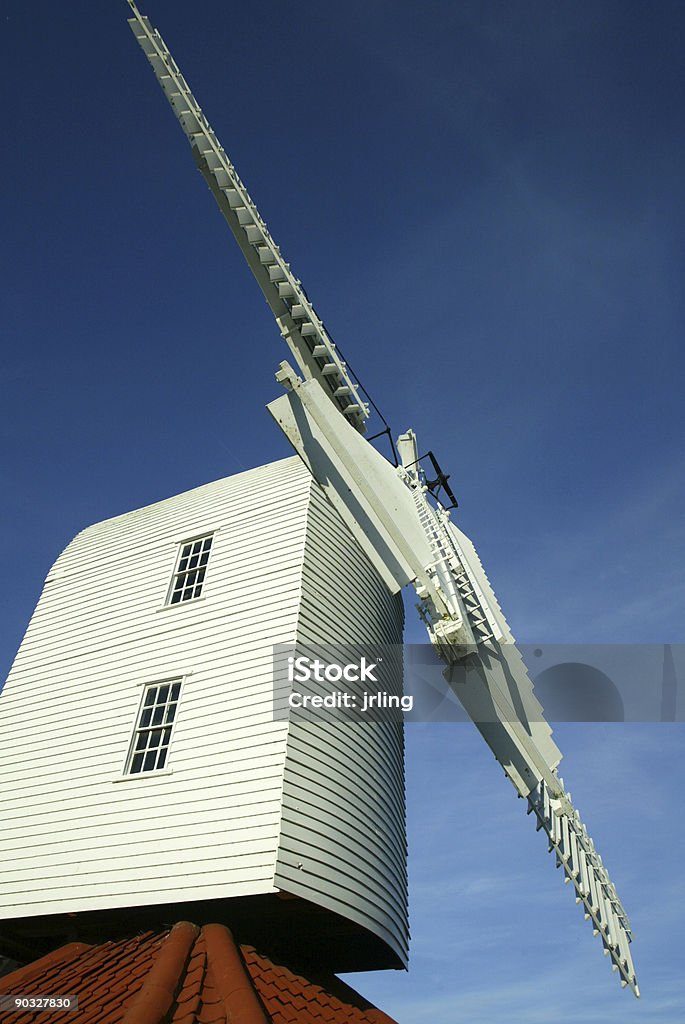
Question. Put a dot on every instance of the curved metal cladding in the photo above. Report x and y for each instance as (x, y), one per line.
(343, 840)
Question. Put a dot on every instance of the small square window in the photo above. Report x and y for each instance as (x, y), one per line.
(152, 735)
(191, 566)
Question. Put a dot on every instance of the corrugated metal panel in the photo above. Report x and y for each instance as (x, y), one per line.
(343, 843)
(72, 837)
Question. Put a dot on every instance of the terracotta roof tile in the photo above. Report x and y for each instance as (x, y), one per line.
(185, 975)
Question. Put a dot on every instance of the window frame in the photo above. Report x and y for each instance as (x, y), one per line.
(178, 572)
(138, 728)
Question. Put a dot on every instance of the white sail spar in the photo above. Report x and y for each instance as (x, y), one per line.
(408, 537)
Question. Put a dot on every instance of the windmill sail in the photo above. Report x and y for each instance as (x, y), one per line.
(298, 322)
(406, 537)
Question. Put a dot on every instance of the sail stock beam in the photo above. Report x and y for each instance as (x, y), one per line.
(409, 541)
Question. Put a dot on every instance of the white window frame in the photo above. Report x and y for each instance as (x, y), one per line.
(148, 728)
(178, 573)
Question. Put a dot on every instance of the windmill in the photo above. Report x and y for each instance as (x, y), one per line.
(389, 531)
(410, 538)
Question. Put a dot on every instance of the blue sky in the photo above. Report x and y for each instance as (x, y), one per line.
(484, 202)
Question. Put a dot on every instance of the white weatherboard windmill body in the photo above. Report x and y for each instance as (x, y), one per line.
(298, 827)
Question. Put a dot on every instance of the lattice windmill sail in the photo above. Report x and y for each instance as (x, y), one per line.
(408, 540)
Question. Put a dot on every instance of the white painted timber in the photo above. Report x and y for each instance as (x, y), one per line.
(241, 795)
(76, 837)
(343, 841)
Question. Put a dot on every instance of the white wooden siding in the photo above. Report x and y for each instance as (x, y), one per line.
(343, 842)
(72, 837)
(246, 799)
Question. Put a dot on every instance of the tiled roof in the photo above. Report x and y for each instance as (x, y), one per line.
(187, 975)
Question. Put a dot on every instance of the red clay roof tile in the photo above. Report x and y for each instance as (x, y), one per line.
(186, 975)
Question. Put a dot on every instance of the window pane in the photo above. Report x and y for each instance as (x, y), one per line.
(186, 582)
(152, 736)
